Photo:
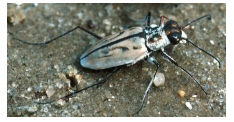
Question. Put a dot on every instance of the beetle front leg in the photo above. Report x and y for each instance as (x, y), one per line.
(153, 61)
(169, 58)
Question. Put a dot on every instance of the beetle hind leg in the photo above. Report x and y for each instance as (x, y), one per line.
(154, 61)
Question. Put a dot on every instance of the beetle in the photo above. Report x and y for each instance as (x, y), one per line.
(132, 45)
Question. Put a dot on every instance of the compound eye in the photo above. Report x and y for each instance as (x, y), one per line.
(174, 38)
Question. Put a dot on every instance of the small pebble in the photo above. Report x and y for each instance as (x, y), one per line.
(56, 67)
(43, 97)
(159, 79)
(15, 15)
(69, 67)
(145, 69)
(188, 105)
(181, 93)
(192, 98)
(33, 108)
(78, 77)
(61, 102)
(80, 15)
(212, 42)
(62, 76)
(106, 22)
(50, 92)
(29, 89)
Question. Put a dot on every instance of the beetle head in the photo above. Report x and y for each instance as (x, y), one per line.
(173, 31)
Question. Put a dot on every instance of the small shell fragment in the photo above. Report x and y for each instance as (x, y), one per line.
(188, 105)
(159, 79)
(181, 93)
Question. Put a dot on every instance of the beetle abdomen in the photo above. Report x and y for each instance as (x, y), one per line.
(119, 49)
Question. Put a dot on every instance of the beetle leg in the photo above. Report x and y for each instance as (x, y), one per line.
(77, 91)
(105, 79)
(169, 58)
(154, 61)
(54, 39)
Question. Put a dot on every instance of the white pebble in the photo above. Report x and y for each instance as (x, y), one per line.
(188, 105)
(29, 89)
(106, 22)
(212, 42)
(43, 97)
(69, 67)
(61, 102)
(50, 92)
(32, 108)
(80, 15)
(56, 67)
(159, 79)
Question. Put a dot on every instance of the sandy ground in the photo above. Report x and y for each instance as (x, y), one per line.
(33, 70)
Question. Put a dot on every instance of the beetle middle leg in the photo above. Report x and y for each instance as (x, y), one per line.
(153, 61)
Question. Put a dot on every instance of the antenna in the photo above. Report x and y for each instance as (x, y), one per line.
(208, 15)
(203, 51)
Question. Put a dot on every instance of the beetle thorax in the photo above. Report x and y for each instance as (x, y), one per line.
(156, 38)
